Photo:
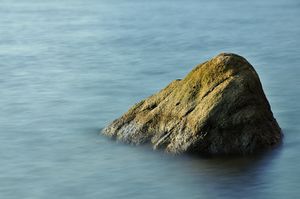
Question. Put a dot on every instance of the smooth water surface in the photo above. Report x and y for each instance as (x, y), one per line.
(68, 68)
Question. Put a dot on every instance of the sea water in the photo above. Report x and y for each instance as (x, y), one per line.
(68, 68)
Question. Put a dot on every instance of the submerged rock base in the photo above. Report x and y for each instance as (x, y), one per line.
(218, 108)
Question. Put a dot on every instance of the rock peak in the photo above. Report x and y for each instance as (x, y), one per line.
(225, 54)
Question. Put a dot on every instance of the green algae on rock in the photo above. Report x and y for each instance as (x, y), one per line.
(218, 108)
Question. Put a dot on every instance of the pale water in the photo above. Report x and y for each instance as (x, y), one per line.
(68, 68)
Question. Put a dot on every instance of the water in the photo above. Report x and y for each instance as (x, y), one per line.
(68, 68)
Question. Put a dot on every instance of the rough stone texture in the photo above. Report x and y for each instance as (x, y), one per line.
(218, 108)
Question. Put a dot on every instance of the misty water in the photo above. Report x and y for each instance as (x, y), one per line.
(68, 68)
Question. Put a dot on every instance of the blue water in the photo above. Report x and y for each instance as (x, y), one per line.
(68, 68)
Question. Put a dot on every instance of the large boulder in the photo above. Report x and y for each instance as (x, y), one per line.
(218, 108)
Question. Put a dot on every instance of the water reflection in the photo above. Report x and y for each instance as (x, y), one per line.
(240, 177)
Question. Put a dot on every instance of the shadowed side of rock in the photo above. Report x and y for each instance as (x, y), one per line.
(218, 108)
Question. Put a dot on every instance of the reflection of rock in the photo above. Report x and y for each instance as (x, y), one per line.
(218, 108)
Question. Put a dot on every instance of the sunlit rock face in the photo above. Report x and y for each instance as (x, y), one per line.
(218, 108)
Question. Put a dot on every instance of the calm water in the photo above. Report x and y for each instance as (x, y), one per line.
(70, 67)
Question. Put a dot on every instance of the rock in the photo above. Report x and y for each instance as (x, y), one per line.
(218, 108)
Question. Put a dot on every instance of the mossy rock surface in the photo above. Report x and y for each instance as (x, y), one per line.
(218, 108)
